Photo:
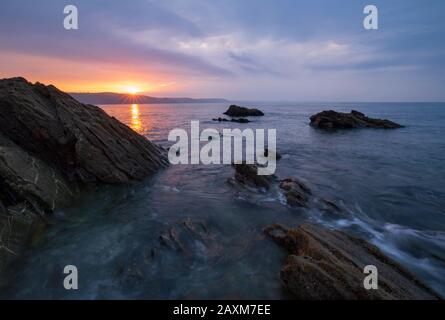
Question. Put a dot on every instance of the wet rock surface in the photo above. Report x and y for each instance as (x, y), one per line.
(18, 227)
(237, 111)
(247, 175)
(80, 140)
(187, 238)
(50, 147)
(339, 120)
(296, 192)
(190, 241)
(329, 264)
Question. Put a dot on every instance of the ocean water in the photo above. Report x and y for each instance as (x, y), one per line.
(390, 182)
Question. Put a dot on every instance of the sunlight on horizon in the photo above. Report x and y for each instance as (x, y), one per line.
(133, 90)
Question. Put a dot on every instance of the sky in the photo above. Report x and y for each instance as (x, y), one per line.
(280, 50)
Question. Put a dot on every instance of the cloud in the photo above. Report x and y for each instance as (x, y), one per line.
(283, 48)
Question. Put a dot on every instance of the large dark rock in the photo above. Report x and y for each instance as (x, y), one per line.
(81, 141)
(50, 147)
(237, 111)
(339, 120)
(329, 264)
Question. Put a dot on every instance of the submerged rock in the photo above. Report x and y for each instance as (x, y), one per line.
(190, 239)
(328, 264)
(237, 111)
(247, 175)
(296, 192)
(339, 120)
(51, 146)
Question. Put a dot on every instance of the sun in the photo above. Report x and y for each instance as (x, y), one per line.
(132, 90)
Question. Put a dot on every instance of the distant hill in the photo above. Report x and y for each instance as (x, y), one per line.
(120, 98)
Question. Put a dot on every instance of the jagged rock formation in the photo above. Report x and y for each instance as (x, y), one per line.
(237, 111)
(50, 146)
(339, 120)
(329, 264)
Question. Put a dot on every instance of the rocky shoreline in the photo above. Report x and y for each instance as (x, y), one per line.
(324, 263)
(51, 147)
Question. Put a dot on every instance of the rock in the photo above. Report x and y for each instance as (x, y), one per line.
(237, 111)
(338, 120)
(247, 175)
(296, 192)
(18, 227)
(328, 264)
(221, 119)
(27, 179)
(188, 238)
(81, 141)
(51, 146)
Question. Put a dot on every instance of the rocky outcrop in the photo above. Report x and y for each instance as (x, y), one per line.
(295, 192)
(50, 147)
(339, 120)
(237, 111)
(329, 264)
(80, 140)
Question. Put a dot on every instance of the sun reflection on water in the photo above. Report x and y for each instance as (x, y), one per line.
(136, 123)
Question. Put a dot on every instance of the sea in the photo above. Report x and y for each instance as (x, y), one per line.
(391, 183)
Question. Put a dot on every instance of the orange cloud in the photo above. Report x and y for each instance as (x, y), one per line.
(84, 76)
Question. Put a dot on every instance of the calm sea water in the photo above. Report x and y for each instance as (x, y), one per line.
(392, 182)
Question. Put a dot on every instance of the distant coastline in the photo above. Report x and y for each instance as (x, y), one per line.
(121, 98)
